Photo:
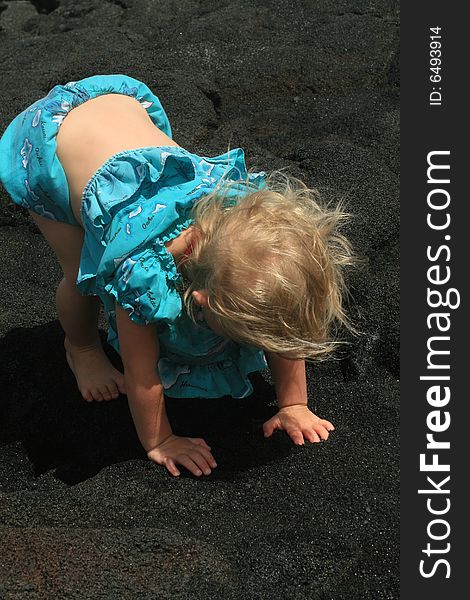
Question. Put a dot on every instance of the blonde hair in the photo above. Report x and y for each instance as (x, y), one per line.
(272, 265)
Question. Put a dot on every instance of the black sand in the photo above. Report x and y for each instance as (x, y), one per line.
(312, 85)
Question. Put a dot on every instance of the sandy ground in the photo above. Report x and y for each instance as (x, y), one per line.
(83, 514)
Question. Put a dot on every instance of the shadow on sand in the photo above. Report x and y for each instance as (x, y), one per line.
(43, 408)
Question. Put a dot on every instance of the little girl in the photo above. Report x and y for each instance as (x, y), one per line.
(206, 272)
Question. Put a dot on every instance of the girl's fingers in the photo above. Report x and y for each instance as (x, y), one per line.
(204, 449)
(296, 436)
(208, 456)
(270, 426)
(201, 462)
(200, 442)
(170, 465)
(321, 431)
(327, 425)
(189, 463)
(311, 436)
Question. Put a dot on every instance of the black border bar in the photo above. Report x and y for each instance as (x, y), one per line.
(435, 258)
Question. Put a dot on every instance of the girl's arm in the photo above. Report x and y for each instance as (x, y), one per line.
(290, 379)
(294, 416)
(140, 352)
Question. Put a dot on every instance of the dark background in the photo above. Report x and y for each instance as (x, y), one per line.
(311, 85)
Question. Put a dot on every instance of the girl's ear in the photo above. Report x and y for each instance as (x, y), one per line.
(200, 297)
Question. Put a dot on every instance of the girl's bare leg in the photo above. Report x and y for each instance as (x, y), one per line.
(97, 379)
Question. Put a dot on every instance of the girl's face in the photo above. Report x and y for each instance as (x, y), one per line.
(200, 297)
(208, 317)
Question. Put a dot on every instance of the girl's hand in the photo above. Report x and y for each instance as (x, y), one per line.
(192, 453)
(299, 422)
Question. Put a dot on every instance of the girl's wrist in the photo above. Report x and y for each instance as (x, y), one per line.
(293, 405)
(155, 445)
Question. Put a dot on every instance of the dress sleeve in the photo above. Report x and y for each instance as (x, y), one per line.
(142, 283)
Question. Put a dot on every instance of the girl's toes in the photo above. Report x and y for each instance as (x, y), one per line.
(97, 395)
(112, 391)
(121, 385)
(106, 395)
(323, 433)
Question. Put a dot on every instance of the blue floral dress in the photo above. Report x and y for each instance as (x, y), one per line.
(134, 203)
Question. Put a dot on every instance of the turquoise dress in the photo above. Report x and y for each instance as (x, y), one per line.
(137, 201)
(134, 203)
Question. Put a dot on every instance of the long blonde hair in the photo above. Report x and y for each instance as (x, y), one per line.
(272, 264)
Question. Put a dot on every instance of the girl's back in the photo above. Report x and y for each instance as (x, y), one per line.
(98, 129)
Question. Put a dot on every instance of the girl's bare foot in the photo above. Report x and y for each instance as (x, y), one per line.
(97, 379)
